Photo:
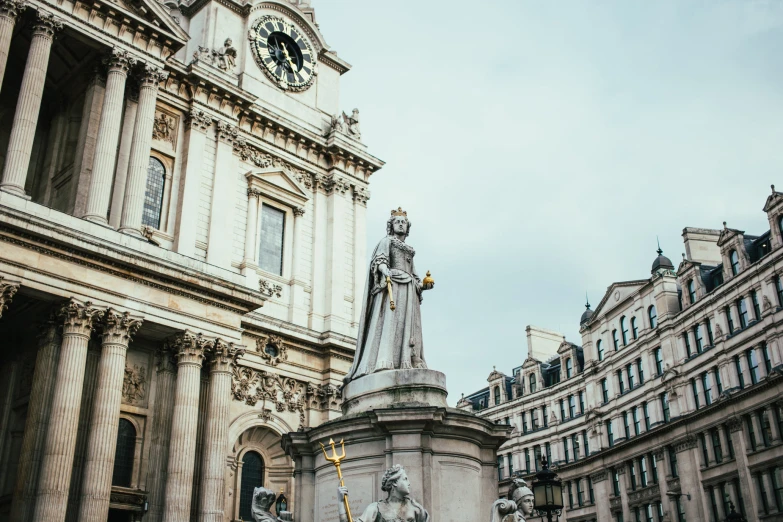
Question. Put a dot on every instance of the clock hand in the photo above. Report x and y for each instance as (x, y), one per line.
(288, 58)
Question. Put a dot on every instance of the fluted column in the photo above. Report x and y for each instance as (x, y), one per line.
(35, 428)
(189, 349)
(222, 356)
(161, 431)
(252, 223)
(9, 11)
(28, 105)
(118, 328)
(118, 64)
(57, 460)
(136, 184)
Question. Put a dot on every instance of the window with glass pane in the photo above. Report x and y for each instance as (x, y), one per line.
(653, 315)
(634, 328)
(510, 465)
(534, 419)
(640, 371)
(527, 460)
(496, 393)
(122, 474)
(252, 477)
(777, 483)
(605, 390)
(729, 320)
(665, 406)
(562, 409)
(673, 462)
(600, 349)
(575, 445)
(624, 328)
(153, 193)
(692, 291)
(738, 368)
(643, 470)
(609, 433)
(571, 406)
(579, 497)
(766, 429)
(569, 368)
(753, 365)
(743, 313)
(779, 290)
(537, 457)
(680, 510)
(734, 258)
(500, 467)
(751, 432)
(629, 372)
(620, 381)
(532, 380)
(615, 340)
(581, 402)
(544, 416)
(754, 299)
(548, 452)
(524, 422)
(718, 382)
(632, 474)
(706, 382)
(646, 412)
(570, 495)
(615, 482)
(687, 343)
(699, 339)
(709, 331)
(658, 362)
(626, 425)
(716, 445)
(695, 389)
(704, 454)
(586, 443)
(654, 468)
(713, 504)
(637, 422)
(270, 257)
(590, 494)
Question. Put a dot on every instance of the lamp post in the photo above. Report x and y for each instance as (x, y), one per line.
(734, 516)
(547, 492)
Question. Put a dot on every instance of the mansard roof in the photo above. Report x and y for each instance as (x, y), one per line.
(727, 234)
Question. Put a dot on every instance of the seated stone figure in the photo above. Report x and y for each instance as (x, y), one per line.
(398, 506)
(518, 507)
(263, 500)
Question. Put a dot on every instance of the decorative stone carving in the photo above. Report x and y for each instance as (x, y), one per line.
(223, 354)
(7, 291)
(78, 317)
(134, 384)
(599, 476)
(673, 484)
(164, 128)
(684, 444)
(12, 8)
(361, 195)
(517, 506)
(269, 289)
(226, 132)
(120, 326)
(46, 24)
(263, 500)
(324, 396)
(189, 346)
(718, 331)
(767, 303)
(152, 75)
(641, 495)
(285, 393)
(249, 153)
(253, 193)
(119, 60)
(399, 505)
(226, 56)
(272, 349)
(298, 212)
(734, 424)
(615, 502)
(198, 120)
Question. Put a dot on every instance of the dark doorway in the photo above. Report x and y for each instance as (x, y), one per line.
(117, 515)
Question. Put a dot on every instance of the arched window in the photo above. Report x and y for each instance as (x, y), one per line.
(734, 258)
(496, 391)
(532, 380)
(615, 340)
(600, 350)
(153, 195)
(569, 368)
(252, 477)
(692, 291)
(123, 455)
(634, 328)
(624, 329)
(653, 316)
(780, 224)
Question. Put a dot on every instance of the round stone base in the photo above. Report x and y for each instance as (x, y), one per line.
(414, 387)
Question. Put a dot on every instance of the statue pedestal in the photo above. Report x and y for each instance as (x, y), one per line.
(399, 387)
(449, 455)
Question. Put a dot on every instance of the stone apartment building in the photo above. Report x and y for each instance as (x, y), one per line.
(182, 250)
(671, 408)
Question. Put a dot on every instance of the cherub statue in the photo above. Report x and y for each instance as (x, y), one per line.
(518, 507)
(263, 500)
(352, 122)
(227, 56)
(397, 506)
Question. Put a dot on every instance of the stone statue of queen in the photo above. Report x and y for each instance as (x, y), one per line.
(390, 339)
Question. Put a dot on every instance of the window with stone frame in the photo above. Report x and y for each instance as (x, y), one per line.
(629, 372)
(695, 390)
(767, 359)
(153, 193)
(599, 349)
(527, 461)
(718, 382)
(634, 328)
(692, 291)
(252, 477)
(646, 412)
(664, 397)
(717, 449)
(710, 335)
(699, 338)
(532, 382)
(742, 308)
(754, 299)
(779, 290)
(653, 316)
(271, 239)
(626, 425)
(673, 469)
(609, 433)
(615, 481)
(496, 393)
(753, 365)
(569, 367)
(500, 467)
(729, 319)
(124, 454)
(571, 406)
(706, 382)
(705, 458)
(640, 370)
(605, 390)
(687, 343)
(615, 340)
(575, 445)
(658, 354)
(734, 260)
(738, 369)
(624, 329)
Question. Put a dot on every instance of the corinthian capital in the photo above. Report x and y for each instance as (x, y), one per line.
(152, 75)
(119, 60)
(7, 291)
(189, 347)
(223, 355)
(119, 327)
(226, 132)
(46, 24)
(12, 8)
(78, 318)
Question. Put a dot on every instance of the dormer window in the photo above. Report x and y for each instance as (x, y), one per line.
(692, 291)
(569, 368)
(780, 224)
(496, 391)
(653, 316)
(624, 329)
(532, 381)
(734, 259)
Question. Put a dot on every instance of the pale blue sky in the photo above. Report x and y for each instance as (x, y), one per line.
(539, 147)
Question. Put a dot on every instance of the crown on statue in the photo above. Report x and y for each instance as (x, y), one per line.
(399, 212)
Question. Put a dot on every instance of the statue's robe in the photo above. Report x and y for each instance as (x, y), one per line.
(387, 339)
(412, 512)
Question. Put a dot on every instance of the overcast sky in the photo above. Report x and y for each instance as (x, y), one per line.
(540, 146)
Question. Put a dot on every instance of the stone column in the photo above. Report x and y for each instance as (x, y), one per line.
(192, 155)
(687, 462)
(189, 350)
(624, 486)
(57, 459)
(360, 197)
(297, 309)
(161, 430)
(28, 105)
(724, 442)
(118, 63)
(221, 216)
(222, 356)
(718, 495)
(123, 155)
(774, 428)
(741, 456)
(757, 429)
(118, 328)
(602, 491)
(9, 11)
(252, 224)
(711, 460)
(36, 424)
(135, 188)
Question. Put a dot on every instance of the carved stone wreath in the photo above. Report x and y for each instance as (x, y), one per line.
(285, 393)
(272, 349)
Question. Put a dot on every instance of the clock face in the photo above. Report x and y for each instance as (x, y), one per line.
(282, 52)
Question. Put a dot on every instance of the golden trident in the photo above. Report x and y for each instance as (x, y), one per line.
(335, 459)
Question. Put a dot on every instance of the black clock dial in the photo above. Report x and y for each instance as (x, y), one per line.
(282, 52)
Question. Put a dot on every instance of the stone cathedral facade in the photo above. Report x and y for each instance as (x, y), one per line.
(670, 410)
(182, 218)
